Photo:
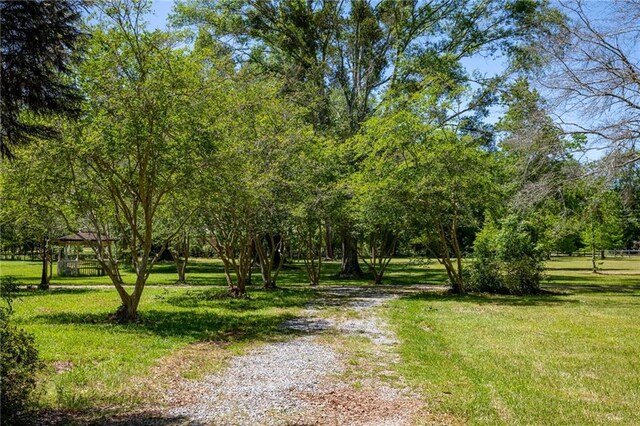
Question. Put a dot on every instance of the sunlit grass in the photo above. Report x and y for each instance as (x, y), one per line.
(98, 363)
(208, 272)
(569, 357)
(564, 358)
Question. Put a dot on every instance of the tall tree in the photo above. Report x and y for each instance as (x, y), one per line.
(442, 180)
(536, 153)
(628, 185)
(339, 58)
(250, 180)
(133, 147)
(603, 225)
(39, 41)
(543, 180)
(33, 202)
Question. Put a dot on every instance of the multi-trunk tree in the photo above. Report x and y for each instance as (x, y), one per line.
(250, 180)
(134, 145)
(33, 201)
(441, 180)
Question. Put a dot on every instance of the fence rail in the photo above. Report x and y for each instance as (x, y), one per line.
(75, 268)
(587, 253)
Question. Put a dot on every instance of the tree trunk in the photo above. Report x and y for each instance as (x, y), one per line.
(50, 265)
(349, 267)
(182, 271)
(602, 256)
(181, 257)
(268, 248)
(44, 278)
(593, 249)
(128, 311)
(329, 242)
(267, 281)
(275, 244)
(239, 289)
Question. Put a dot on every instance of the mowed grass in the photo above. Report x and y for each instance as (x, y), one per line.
(92, 362)
(207, 272)
(570, 357)
(200, 272)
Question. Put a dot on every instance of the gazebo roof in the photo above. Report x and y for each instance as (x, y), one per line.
(89, 237)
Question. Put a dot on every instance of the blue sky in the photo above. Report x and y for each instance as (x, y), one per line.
(161, 10)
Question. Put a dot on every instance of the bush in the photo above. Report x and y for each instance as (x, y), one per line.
(19, 365)
(506, 259)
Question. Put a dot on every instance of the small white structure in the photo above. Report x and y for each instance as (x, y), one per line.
(71, 263)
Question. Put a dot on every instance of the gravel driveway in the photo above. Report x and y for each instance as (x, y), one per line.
(304, 381)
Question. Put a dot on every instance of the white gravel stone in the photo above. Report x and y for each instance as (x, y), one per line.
(261, 387)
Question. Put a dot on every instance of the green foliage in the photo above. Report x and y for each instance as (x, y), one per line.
(603, 225)
(8, 285)
(19, 362)
(506, 259)
(38, 40)
(421, 178)
(629, 189)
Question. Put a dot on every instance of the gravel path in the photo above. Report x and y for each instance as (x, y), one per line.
(256, 388)
(301, 381)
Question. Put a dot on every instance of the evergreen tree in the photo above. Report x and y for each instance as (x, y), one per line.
(39, 44)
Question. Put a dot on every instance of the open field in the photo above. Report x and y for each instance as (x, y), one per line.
(567, 357)
(570, 357)
(206, 272)
(561, 270)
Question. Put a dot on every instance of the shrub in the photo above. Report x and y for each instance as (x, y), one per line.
(19, 365)
(506, 259)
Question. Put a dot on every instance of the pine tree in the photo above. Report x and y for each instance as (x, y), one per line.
(39, 42)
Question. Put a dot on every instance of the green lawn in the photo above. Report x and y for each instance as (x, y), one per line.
(200, 272)
(572, 357)
(99, 363)
(210, 272)
(569, 357)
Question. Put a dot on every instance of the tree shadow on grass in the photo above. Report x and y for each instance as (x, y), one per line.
(560, 267)
(595, 288)
(548, 299)
(414, 276)
(550, 278)
(53, 292)
(63, 418)
(257, 299)
(192, 268)
(226, 320)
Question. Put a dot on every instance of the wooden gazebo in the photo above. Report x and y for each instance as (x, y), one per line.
(72, 264)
